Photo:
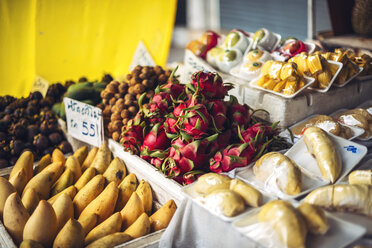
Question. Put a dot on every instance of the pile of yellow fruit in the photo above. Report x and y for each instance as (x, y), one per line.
(86, 200)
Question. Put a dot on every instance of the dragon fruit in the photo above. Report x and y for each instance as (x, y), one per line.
(256, 133)
(218, 109)
(191, 176)
(196, 121)
(233, 156)
(210, 85)
(155, 143)
(173, 86)
(132, 134)
(239, 115)
(160, 102)
(222, 141)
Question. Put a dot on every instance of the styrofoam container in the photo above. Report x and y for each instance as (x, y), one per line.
(356, 131)
(308, 80)
(333, 78)
(351, 154)
(350, 79)
(340, 233)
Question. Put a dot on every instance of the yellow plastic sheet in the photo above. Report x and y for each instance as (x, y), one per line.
(67, 39)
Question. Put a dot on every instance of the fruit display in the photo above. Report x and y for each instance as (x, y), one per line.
(290, 47)
(83, 91)
(225, 196)
(63, 204)
(265, 39)
(120, 100)
(281, 77)
(363, 60)
(361, 177)
(326, 123)
(358, 117)
(28, 124)
(187, 130)
(207, 41)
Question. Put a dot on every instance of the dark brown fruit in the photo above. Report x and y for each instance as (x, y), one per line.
(65, 147)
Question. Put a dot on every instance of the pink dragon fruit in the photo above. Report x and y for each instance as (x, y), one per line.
(239, 115)
(196, 121)
(191, 176)
(210, 85)
(178, 110)
(256, 133)
(173, 86)
(218, 109)
(132, 134)
(233, 156)
(155, 143)
(160, 102)
(171, 125)
(222, 141)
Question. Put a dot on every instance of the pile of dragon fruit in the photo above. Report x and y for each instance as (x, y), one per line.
(188, 130)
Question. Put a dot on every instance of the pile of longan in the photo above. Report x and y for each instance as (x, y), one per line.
(120, 99)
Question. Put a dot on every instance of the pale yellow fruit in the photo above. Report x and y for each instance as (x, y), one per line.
(42, 225)
(145, 194)
(251, 196)
(63, 182)
(140, 227)
(226, 201)
(85, 178)
(116, 171)
(88, 223)
(43, 163)
(102, 159)
(71, 191)
(104, 204)
(64, 210)
(88, 193)
(6, 189)
(81, 154)
(30, 244)
(41, 183)
(315, 218)
(132, 210)
(110, 241)
(126, 188)
(210, 182)
(25, 161)
(30, 200)
(109, 226)
(161, 218)
(89, 159)
(70, 236)
(57, 168)
(58, 156)
(19, 180)
(72, 163)
(15, 217)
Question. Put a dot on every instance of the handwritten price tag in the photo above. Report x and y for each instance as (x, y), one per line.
(141, 57)
(41, 85)
(84, 122)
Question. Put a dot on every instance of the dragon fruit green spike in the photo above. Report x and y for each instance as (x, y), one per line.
(156, 141)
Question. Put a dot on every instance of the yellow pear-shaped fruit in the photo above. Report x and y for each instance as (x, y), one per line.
(102, 159)
(251, 196)
(116, 171)
(85, 178)
(58, 156)
(126, 188)
(88, 223)
(81, 154)
(57, 168)
(72, 163)
(314, 217)
(140, 227)
(145, 193)
(42, 225)
(63, 182)
(111, 240)
(89, 159)
(41, 183)
(109, 226)
(161, 218)
(25, 161)
(103, 205)
(64, 210)
(132, 210)
(43, 163)
(88, 193)
(15, 217)
(6, 189)
(71, 191)
(30, 200)
(30, 244)
(19, 180)
(70, 236)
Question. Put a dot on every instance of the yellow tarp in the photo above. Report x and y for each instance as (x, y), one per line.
(67, 39)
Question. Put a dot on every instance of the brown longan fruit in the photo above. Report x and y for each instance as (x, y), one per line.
(125, 113)
(132, 109)
(129, 76)
(116, 125)
(115, 116)
(123, 88)
(131, 90)
(128, 102)
(139, 88)
(112, 101)
(125, 121)
(128, 96)
(116, 136)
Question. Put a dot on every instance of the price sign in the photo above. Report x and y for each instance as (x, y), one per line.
(41, 85)
(84, 122)
(141, 57)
